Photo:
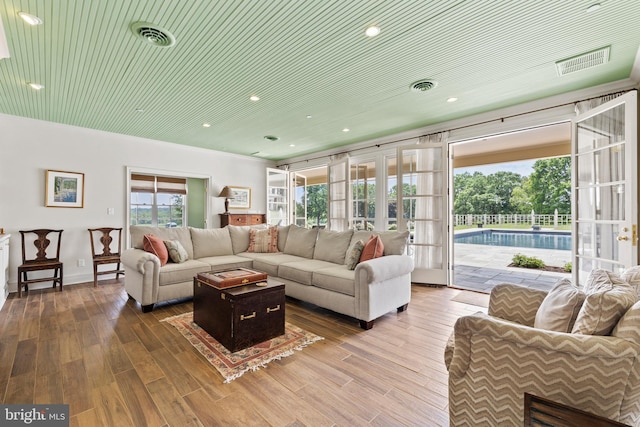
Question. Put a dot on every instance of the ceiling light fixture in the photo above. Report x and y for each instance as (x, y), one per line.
(372, 31)
(345, 130)
(452, 99)
(309, 116)
(29, 18)
(36, 86)
(594, 7)
(292, 145)
(254, 98)
(206, 125)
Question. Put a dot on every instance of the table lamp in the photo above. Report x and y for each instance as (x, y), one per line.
(227, 194)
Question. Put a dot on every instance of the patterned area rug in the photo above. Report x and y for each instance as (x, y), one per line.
(234, 365)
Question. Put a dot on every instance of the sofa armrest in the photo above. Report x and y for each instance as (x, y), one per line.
(137, 259)
(495, 362)
(515, 303)
(383, 268)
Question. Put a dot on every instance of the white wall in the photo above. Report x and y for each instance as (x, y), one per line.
(29, 147)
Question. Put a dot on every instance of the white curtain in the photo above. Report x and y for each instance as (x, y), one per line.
(428, 238)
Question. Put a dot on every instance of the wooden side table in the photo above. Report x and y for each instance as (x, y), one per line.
(242, 219)
(539, 411)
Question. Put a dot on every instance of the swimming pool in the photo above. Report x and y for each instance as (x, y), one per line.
(557, 240)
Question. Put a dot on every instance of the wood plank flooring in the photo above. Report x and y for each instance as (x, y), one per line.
(93, 348)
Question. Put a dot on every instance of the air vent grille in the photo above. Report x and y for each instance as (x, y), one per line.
(153, 34)
(583, 61)
(423, 85)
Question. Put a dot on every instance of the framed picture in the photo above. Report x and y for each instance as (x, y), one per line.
(241, 198)
(64, 189)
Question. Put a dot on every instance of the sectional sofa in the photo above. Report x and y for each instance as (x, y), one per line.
(310, 262)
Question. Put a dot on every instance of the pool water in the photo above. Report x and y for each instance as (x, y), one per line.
(521, 239)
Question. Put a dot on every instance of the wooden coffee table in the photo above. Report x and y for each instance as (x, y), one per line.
(241, 316)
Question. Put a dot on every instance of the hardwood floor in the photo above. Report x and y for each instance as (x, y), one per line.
(93, 348)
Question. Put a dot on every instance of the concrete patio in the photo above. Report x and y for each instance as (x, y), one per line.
(481, 267)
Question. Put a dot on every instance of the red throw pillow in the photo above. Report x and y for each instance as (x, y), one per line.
(155, 245)
(372, 249)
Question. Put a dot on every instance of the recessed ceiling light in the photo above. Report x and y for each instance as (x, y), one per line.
(594, 7)
(29, 18)
(309, 116)
(254, 98)
(292, 145)
(452, 99)
(36, 86)
(345, 130)
(139, 110)
(372, 31)
(206, 125)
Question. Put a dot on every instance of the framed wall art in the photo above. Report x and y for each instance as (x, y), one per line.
(241, 198)
(64, 189)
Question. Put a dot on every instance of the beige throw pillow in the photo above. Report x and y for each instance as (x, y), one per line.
(628, 328)
(353, 256)
(608, 298)
(560, 307)
(177, 252)
(263, 241)
(632, 277)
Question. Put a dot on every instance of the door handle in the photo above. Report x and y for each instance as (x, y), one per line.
(622, 238)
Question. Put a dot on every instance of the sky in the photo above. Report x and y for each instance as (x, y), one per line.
(523, 167)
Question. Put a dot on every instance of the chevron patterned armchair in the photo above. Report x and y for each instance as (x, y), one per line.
(494, 358)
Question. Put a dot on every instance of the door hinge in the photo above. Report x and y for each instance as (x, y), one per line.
(634, 235)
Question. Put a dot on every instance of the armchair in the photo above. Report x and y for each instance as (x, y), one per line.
(494, 358)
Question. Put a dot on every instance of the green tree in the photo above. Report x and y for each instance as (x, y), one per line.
(551, 185)
(317, 204)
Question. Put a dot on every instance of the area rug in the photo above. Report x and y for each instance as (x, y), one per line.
(472, 298)
(234, 365)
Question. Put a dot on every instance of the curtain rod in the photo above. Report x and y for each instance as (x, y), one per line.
(501, 119)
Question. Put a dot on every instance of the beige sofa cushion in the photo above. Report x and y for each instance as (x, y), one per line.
(628, 327)
(269, 262)
(608, 298)
(211, 242)
(240, 236)
(302, 271)
(338, 279)
(332, 245)
(283, 232)
(181, 234)
(560, 307)
(395, 242)
(226, 262)
(301, 241)
(173, 273)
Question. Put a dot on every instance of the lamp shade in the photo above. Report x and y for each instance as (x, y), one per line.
(226, 192)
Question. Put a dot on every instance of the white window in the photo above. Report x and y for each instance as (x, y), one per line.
(158, 201)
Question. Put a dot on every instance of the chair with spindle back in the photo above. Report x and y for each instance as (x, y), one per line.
(110, 250)
(45, 257)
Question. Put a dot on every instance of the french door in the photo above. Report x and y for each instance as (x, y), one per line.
(605, 187)
(422, 209)
(339, 197)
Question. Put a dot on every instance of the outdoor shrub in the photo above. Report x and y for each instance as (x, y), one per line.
(568, 267)
(520, 260)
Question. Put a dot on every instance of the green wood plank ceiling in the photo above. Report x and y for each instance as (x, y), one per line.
(302, 58)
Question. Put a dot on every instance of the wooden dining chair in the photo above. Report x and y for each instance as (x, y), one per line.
(45, 257)
(109, 241)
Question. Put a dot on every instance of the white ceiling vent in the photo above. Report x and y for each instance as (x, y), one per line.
(153, 34)
(423, 85)
(583, 61)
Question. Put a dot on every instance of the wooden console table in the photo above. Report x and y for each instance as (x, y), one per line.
(242, 219)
